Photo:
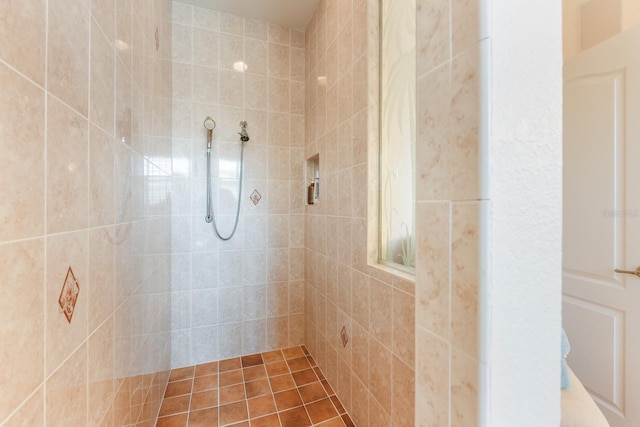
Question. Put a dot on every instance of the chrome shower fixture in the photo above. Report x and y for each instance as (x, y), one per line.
(244, 136)
(209, 125)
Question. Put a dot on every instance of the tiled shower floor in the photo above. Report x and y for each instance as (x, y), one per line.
(278, 388)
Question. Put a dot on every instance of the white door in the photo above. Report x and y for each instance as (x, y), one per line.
(601, 308)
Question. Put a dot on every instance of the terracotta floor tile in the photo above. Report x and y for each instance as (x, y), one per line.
(328, 388)
(181, 373)
(268, 421)
(206, 369)
(210, 382)
(261, 406)
(233, 393)
(173, 421)
(204, 399)
(338, 404)
(257, 388)
(304, 377)
(319, 373)
(312, 392)
(292, 352)
(178, 388)
(175, 405)
(204, 417)
(296, 417)
(229, 364)
(346, 419)
(252, 360)
(230, 378)
(254, 373)
(311, 360)
(333, 422)
(281, 383)
(287, 399)
(277, 368)
(272, 356)
(232, 413)
(321, 410)
(298, 364)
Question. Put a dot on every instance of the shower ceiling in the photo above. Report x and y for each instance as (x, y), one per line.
(294, 14)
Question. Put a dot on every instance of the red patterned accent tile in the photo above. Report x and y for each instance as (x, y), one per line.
(69, 295)
(255, 197)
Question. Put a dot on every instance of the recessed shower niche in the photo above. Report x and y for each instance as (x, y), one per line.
(313, 179)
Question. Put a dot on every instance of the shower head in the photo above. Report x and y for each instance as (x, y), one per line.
(244, 136)
(209, 123)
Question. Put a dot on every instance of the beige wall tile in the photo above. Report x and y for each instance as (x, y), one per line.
(102, 80)
(101, 275)
(433, 34)
(27, 52)
(206, 18)
(66, 391)
(31, 413)
(432, 380)
(381, 312)
(22, 322)
(68, 53)
(67, 174)
(102, 202)
(465, 126)
(433, 289)
(22, 143)
(231, 51)
(465, 260)
(378, 416)
(380, 366)
(64, 251)
(100, 373)
(231, 24)
(403, 394)
(404, 327)
(279, 61)
(124, 31)
(432, 141)
(465, 374)
(465, 25)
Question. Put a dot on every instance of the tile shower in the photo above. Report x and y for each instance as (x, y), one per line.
(86, 169)
(115, 189)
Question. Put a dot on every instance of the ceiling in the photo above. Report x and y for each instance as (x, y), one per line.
(294, 14)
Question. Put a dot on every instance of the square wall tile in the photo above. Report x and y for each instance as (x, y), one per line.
(68, 52)
(22, 320)
(27, 52)
(21, 216)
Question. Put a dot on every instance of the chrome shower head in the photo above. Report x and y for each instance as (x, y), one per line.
(209, 125)
(244, 136)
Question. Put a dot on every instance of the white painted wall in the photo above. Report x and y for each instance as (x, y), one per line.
(521, 304)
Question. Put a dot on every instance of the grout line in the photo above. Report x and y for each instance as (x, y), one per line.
(44, 213)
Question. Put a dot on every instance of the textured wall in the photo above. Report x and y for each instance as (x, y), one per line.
(245, 295)
(85, 184)
(449, 212)
(525, 223)
(373, 374)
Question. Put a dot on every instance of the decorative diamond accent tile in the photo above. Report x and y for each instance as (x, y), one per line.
(255, 197)
(69, 294)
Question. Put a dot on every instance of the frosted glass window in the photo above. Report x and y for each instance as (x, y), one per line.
(397, 133)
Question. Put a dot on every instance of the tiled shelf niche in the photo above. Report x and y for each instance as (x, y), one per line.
(313, 179)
